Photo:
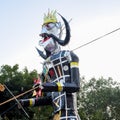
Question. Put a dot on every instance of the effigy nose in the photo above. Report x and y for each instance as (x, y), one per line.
(44, 30)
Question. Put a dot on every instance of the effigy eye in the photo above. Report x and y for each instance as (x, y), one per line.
(49, 26)
(58, 25)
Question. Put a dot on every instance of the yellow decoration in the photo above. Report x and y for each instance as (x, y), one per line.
(34, 93)
(31, 102)
(50, 17)
(74, 64)
(2, 88)
(59, 86)
(57, 116)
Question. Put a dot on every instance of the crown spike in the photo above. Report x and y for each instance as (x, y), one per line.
(50, 17)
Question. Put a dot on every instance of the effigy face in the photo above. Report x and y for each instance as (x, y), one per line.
(51, 33)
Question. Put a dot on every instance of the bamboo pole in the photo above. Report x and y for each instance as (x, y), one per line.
(17, 96)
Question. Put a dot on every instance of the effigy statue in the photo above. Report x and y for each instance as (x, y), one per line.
(60, 75)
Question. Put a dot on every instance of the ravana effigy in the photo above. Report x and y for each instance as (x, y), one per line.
(60, 75)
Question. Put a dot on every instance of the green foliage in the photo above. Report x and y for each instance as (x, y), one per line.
(42, 113)
(18, 82)
(96, 96)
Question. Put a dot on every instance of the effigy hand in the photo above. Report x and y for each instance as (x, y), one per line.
(37, 88)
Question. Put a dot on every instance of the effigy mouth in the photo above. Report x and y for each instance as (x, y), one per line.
(45, 37)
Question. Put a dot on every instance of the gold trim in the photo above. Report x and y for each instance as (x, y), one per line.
(59, 86)
(31, 102)
(57, 116)
(74, 64)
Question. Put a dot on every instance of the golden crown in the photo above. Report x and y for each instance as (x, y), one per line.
(50, 17)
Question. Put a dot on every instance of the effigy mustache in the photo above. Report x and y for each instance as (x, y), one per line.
(67, 37)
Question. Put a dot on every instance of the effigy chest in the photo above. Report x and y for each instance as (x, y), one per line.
(59, 67)
(59, 71)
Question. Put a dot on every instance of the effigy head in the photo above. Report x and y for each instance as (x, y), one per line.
(50, 24)
(51, 33)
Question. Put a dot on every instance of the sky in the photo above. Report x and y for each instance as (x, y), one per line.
(20, 26)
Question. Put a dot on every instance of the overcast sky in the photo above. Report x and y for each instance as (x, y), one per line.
(20, 25)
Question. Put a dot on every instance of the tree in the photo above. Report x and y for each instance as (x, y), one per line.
(18, 82)
(96, 96)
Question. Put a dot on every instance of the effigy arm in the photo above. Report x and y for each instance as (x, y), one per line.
(41, 101)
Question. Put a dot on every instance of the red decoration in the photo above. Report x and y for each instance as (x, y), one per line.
(51, 72)
(38, 91)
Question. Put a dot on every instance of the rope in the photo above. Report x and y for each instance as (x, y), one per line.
(9, 109)
(16, 101)
(96, 39)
